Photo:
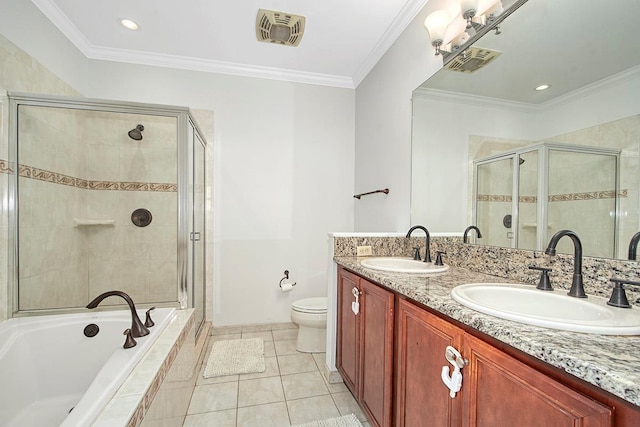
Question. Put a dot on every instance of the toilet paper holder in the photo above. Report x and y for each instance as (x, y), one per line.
(286, 277)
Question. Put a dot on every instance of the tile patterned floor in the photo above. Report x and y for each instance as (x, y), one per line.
(291, 391)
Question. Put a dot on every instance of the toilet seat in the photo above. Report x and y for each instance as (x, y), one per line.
(317, 305)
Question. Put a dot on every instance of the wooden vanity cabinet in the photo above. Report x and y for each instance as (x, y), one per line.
(365, 345)
(500, 386)
(496, 389)
(500, 390)
(348, 332)
(421, 397)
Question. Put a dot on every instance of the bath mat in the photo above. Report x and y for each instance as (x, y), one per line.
(347, 421)
(229, 357)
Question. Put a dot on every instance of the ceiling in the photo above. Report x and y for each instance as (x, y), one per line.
(342, 42)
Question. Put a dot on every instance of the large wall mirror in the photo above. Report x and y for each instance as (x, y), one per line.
(489, 149)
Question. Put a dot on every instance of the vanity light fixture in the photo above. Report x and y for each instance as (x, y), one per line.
(451, 28)
(129, 24)
(543, 87)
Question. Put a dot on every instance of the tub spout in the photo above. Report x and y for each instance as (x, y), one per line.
(137, 327)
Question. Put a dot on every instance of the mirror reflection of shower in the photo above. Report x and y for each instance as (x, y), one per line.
(136, 133)
(545, 186)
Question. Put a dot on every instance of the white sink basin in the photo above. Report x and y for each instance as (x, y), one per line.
(402, 265)
(551, 309)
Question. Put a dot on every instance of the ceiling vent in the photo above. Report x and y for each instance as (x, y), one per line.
(279, 27)
(472, 59)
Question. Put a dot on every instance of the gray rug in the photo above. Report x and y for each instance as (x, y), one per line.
(345, 421)
(230, 357)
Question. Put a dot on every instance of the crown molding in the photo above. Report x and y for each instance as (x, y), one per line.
(467, 99)
(461, 98)
(220, 67)
(411, 9)
(604, 84)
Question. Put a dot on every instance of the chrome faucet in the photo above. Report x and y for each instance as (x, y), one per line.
(577, 287)
(633, 246)
(469, 228)
(137, 328)
(427, 252)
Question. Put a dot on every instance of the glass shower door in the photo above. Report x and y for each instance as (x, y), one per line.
(528, 207)
(199, 280)
(196, 204)
(583, 198)
(494, 201)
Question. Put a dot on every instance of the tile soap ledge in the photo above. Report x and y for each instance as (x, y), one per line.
(589, 357)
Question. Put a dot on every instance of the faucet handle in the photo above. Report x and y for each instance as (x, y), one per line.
(619, 296)
(416, 254)
(147, 321)
(129, 342)
(439, 257)
(545, 283)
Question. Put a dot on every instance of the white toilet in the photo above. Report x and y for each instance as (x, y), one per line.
(310, 314)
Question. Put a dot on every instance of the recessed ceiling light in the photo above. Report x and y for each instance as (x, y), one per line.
(543, 87)
(129, 24)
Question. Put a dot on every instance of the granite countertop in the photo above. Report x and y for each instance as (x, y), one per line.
(609, 362)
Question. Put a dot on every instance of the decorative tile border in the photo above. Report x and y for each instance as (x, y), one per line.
(494, 198)
(593, 195)
(147, 400)
(568, 197)
(5, 167)
(31, 172)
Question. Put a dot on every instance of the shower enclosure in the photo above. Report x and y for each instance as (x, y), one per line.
(522, 197)
(107, 195)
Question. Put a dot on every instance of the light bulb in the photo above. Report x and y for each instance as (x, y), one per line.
(436, 24)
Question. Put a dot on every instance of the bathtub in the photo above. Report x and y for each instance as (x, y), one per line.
(54, 375)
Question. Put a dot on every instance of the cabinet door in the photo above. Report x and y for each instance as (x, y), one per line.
(500, 390)
(376, 335)
(348, 333)
(422, 399)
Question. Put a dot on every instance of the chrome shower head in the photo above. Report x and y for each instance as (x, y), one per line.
(136, 134)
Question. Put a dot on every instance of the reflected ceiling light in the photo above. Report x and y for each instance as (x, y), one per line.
(129, 24)
(543, 87)
(451, 28)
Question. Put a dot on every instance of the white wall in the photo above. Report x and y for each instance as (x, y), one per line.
(383, 129)
(283, 178)
(442, 128)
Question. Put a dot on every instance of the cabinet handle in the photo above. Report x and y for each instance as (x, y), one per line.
(453, 381)
(355, 305)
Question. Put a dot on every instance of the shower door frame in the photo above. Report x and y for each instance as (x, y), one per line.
(184, 120)
(542, 214)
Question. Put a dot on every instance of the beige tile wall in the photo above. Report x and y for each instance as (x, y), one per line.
(19, 72)
(623, 134)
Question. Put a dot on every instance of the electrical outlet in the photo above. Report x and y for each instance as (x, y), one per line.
(364, 251)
